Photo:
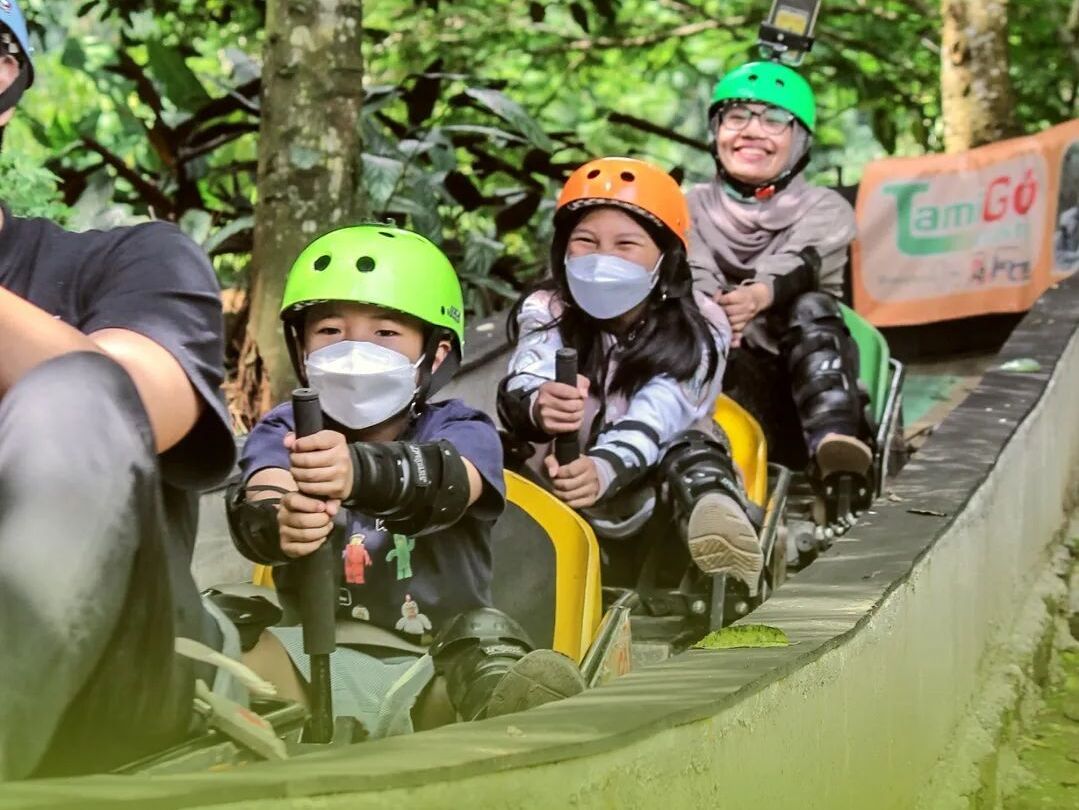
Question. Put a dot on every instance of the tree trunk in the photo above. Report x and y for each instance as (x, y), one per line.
(976, 91)
(309, 158)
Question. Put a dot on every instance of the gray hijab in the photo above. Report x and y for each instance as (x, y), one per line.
(742, 230)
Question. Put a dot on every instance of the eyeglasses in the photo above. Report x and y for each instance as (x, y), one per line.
(773, 120)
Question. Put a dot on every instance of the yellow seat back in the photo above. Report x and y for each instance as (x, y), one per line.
(524, 592)
(263, 576)
(544, 552)
(748, 447)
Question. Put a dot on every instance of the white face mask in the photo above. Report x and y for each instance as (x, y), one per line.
(607, 286)
(361, 384)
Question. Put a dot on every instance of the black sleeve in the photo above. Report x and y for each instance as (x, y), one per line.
(515, 413)
(153, 280)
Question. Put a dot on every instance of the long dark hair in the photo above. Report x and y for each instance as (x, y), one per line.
(671, 337)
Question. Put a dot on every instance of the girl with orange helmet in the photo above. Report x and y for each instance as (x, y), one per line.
(651, 356)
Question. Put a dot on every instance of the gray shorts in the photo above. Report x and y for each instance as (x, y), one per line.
(377, 686)
(225, 684)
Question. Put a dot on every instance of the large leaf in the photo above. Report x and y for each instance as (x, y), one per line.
(743, 635)
(519, 213)
(73, 55)
(222, 235)
(462, 189)
(420, 99)
(480, 254)
(182, 86)
(196, 223)
(381, 175)
(244, 68)
(512, 113)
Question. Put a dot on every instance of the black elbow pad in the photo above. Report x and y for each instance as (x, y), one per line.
(515, 413)
(253, 526)
(418, 488)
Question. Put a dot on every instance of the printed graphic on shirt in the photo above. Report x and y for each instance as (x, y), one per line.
(412, 621)
(402, 552)
(357, 559)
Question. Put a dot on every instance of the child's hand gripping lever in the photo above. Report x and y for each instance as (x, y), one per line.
(318, 595)
(566, 446)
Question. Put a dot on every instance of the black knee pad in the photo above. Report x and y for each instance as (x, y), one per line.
(473, 652)
(695, 464)
(822, 359)
(815, 308)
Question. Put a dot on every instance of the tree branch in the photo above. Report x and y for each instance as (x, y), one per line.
(642, 40)
(150, 193)
(238, 99)
(212, 137)
(656, 129)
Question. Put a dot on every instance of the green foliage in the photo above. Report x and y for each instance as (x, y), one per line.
(29, 189)
(477, 109)
(743, 635)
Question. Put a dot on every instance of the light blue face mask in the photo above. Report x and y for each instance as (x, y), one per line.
(607, 286)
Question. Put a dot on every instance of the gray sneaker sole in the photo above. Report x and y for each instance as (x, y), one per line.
(541, 676)
(722, 540)
(837, 453)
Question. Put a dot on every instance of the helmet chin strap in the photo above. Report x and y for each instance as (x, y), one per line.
(762, 191)
(10, 97)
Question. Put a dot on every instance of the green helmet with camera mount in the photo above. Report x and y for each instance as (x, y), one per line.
(768, 83)
(776, 85)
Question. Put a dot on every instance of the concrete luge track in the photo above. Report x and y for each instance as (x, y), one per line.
(896, 632)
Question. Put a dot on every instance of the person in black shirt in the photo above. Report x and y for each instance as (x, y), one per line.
(111, 421)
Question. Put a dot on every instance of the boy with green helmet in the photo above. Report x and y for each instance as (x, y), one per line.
(374, 321)
(385, 267)
(770, 249)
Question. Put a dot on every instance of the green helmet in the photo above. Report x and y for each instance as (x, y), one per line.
(380, 265)
(769, 83)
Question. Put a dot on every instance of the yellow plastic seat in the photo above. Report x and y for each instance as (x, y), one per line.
(748, 447)
(546, 569)
(545, 552)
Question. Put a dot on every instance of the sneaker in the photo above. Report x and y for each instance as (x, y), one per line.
(838, 453)
(541, 676)
(722, 540)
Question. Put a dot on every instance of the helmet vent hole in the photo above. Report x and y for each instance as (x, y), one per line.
(752, 77)
(443, 310)
(387, 234)
(592, 175)
(322, 262)
(779, 83)
(628, 177)
(365, 264)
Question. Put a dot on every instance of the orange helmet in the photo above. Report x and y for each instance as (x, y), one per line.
(629, 183)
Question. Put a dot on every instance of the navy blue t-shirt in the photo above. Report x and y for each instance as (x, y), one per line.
(411, 585)
(153, 280)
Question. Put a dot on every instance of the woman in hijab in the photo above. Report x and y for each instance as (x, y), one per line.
(770, 249)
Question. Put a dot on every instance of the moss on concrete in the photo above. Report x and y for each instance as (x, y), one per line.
(1049, 750)
(743, 635)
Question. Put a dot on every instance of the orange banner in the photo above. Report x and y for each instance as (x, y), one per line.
(950, 236)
